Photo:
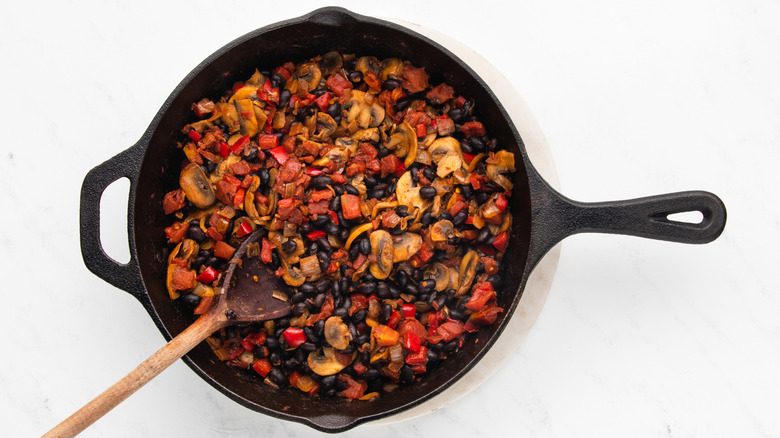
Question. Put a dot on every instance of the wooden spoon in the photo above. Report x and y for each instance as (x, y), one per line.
(250, 285)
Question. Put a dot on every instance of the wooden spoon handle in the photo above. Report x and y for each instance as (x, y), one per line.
(146, 371)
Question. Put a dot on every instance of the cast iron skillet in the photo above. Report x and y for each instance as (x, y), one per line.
(542, 217)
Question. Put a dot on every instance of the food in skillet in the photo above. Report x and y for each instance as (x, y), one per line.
(384, 206)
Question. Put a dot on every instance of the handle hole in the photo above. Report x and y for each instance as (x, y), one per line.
(113, 220)
(687, 217)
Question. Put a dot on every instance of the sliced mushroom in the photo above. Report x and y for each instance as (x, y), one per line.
(406, 192)
(246, 117)
(368, 63)
(370, 134)
(364, 110)
(440, 274)
(326, 362)
(406, 245)
(403, 141)
(502, 161)
(257, 79)
(324, 127)
(308, 76)
(466, 272)
(292, 275)
(331, 62)
(249, 200)
(229, 116)
(245, 92)
(196, 186)
(449, 164)
(391, 67)
(337, 333)
(382, 248)
(443, 146)
(442, 231)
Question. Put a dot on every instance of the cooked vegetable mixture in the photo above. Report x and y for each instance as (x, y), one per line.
(383, 205)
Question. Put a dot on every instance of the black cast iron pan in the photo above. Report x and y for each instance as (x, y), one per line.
(542, 217)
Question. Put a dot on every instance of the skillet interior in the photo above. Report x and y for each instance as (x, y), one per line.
(296, 40)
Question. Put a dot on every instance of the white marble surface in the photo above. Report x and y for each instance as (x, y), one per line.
(637, 338)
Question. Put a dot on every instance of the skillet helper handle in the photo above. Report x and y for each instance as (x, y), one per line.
(140, 376)
(124, 165)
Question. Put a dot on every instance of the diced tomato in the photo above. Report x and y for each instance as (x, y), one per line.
(266, 249)
(262, 366)
(183, 278)
(411, 325)
(248, 342)
(350, 206)
(267, 141)
(193, 135)
(223, 250)
(214, 234)
(475, 180)
(176, 232)
(208, 275)
(323, 102)
(473, 128)
(338, 178)
(284, 72)
(238, 200)
(388, 164)
(319, 195)
(314, 171)
(280, 154)
(459, 101)
(440, 93)
(415, 78)
(395, 317)
(294, 336)
(421, 130)
(485, 316)
(338, 84)
(450, 330)
(457, 206)
(203, 306)
(354, 389)
(481, 295)
(501, 241)
(319, 207)
(412, 342)
(174, 200)
(359, 367)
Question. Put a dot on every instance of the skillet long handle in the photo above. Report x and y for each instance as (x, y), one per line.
(142, 374)
(558, 217)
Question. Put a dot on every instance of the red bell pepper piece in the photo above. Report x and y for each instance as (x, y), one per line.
(239, 145)
(224, 149)
(294, 336)
(248, 342)
(284, 72)
(419, 357)
(280, 154)
(314, 171)
(412, 342)
(244, 229)
(316, 234)
(338, 178)
(408, 310)
(333, 217)
(208, 275)
(262, 366)
(501, 202)
(238, 200)
(421, 130)
(481, 295)
(468, 157)
(501, 241)
(475, 181)
(193, 135)
(395, 317)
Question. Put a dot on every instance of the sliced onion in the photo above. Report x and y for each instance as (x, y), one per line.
(310, 266)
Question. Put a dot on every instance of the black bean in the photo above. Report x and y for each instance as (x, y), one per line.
(299, 308)
(457, 314)
(496, 281)
(365, 246)
(371, 374)
(321, 220)
(367, 288)
(466, 190)
(445, 216)
(482, 197)
(395, 292)
(429, 173)
(391, 84)
(250, 154)
(376, 194)
(427, 192)
(342, 312)
(332, 228)
(196, 233)
(355, 76)
(383, 290)
(417, 275)
(466, 147)
(411, 288)
(277, 376)
(407, 374)
(359, 316)
(386, 312)
(383, 152)
(402, 278)
(483, 235)
(493, 186)
(477, 145)
(191, 301)
(284, 97)
(345, 284)
(426, 286)
(272, 342)
(441, 301)
(401, 104)
(328, 382)
(310, 334)
(402, 210)
(339, 190)
(308, 346)
(264, 175)
(335, 204)
(290, 246)
(275, 264)
(344, 233)
(323, 285)
(427, 219)
(352, 190)
(433, 356)
(370, 181)
(451, 346)
(456, 114)
(320, 182)
(334, 109)
(460, 218)
(364, 339)
(324, 245)
(306, 228)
